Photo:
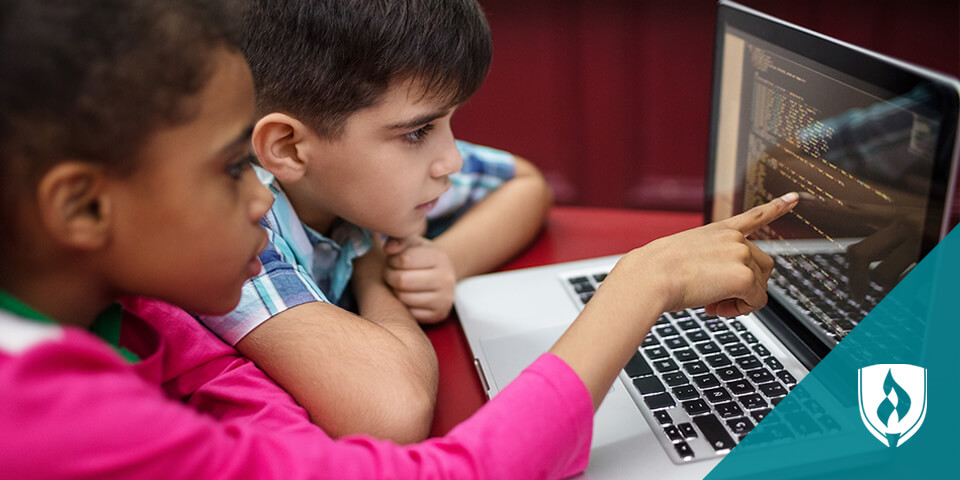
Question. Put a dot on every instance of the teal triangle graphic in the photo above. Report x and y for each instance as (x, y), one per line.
(816, 431)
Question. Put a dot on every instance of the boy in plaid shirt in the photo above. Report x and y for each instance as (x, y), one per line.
(354, 138)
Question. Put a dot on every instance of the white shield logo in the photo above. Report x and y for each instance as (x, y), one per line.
(893, 401)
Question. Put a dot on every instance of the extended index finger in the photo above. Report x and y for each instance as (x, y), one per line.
(752, 220)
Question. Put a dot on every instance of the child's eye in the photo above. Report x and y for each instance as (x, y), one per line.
(417, 135)
(236, 168)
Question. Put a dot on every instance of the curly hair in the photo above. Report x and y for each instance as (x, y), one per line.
(92, 80)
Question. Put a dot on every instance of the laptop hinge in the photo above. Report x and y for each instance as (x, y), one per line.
(483, 377)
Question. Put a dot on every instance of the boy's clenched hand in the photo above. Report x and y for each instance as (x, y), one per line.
(422, 276)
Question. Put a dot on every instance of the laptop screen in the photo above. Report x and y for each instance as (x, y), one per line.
(868, 142)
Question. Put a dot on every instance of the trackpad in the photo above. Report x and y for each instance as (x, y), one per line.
(507, 356)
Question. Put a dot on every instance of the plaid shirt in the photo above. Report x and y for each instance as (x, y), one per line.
(300, 265)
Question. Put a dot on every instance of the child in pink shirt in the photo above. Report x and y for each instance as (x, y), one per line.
(125, 138)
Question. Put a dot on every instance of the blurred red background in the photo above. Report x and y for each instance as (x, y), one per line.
(610, 98)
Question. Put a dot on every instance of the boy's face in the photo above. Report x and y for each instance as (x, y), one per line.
(187, 227)
(389, 165)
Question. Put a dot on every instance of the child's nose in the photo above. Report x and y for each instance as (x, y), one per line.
(262, 199)
(448, 162)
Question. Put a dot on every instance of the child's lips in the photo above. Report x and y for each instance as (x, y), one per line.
(253, 268)
(426, 207)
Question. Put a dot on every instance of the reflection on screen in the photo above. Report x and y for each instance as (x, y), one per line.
(861, 158)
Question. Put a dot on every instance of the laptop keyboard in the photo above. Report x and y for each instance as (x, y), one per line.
(707, 381)
(817, 286)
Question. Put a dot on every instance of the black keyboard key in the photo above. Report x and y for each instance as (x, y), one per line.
(663, 417)
(707, 348)
(772, 389)
(706, 381)
(702, 313)
(729, 409)
(695, 407)
(716, 395)
(717, 326)
(684, 450)
(729, 373)
(714, 433)
(680, 314)
(688, 324)
(740, 425)
(738, 326)
(674, 343)
(749, 362)
(775, 401)
(786, 377)
(752, 401)
(650, 341)
(666, 331)
(761, 350)
(696, 336)
(740, 387)
(773, 363)
(586, 296)
(648, 385)
(675, 379)
(654, 353)
(599, 277)
(696, 368)
(686, 392)
(658, 401)
(726, 337)
(581, 284)
(663, 320)
(665, 365)
(749, 338)
(685, 355)
(760, 375)
(718, 360)
(737, 349)
(638, 367)
(759, 414)
(687, 430)
(673, 433)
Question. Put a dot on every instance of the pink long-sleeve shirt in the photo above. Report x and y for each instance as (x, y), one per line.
(193, 407)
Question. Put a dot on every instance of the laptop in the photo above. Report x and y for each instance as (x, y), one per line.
(869, 142)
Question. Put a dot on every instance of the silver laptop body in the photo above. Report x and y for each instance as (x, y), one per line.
(783, 99)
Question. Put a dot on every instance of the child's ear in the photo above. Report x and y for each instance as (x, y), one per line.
(282, 146)
(73, 205)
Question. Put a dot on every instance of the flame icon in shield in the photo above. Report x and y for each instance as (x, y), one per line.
(893, 401)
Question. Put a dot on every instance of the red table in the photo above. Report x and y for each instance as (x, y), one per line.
(571, 233)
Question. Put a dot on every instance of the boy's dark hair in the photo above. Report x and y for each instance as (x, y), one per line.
(91, 80)
(322, 60)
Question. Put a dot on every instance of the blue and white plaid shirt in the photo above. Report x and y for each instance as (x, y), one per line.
(300, 265)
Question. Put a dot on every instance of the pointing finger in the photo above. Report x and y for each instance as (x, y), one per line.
(752, 220)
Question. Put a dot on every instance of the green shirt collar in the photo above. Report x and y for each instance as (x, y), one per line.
(14, 306)
(106, 326)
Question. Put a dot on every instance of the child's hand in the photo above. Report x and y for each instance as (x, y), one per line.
(715, 264)
(421, 276)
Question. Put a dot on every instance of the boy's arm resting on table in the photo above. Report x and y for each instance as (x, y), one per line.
(500, 225)
(375, 374)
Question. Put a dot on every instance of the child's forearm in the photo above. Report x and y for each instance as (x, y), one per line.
(501, 225)
(609, 329)
(375, 374)
(713, 266)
